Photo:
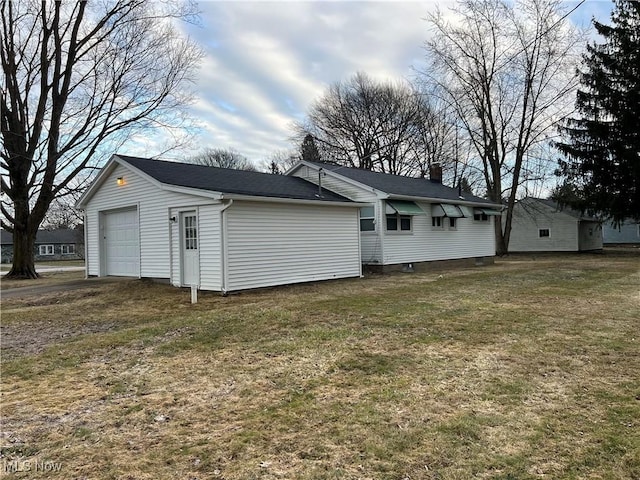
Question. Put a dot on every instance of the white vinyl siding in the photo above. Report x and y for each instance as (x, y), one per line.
(370, 242)
(275, 243)
(209, 243)
(469, 239)
(530, 218)
(590, 235)
(628, 232)
(154, 227)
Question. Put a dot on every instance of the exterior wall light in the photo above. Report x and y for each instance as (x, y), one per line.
(120, 181)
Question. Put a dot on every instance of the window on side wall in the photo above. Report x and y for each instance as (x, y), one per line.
(452, 223)
(544, 233)
(400, 223)
(480, 217)
(436, 222)
(367, 219)
(45, 250)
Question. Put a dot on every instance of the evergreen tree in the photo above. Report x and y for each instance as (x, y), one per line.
(309, 149)
(602, 165)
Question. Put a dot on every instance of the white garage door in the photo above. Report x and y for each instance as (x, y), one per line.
(121, 247)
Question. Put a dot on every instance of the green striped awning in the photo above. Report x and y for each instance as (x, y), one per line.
(403, 207)
(446, 210)
(487, 211)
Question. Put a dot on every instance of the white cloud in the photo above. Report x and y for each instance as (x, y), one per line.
(267, 61)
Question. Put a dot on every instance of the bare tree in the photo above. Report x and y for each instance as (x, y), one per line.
(63, 214)
(373, 125)
(280, 161)
(506, 69)
(223, 158)
(79, 78)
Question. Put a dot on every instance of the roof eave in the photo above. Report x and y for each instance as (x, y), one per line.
(256, 198)
(97, 182)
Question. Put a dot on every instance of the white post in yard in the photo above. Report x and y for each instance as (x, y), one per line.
(194, 294)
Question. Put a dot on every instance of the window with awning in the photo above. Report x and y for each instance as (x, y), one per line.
(487, 211)
(446, 210)
(402, 207)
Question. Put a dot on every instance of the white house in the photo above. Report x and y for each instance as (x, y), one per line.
(541, 225)
(227, 230)
(219, 229)
(626, 233)
(409, 221)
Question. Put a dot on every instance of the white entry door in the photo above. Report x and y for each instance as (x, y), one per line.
(190, 255)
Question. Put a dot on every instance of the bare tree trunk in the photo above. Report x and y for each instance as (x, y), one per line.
(23, 256)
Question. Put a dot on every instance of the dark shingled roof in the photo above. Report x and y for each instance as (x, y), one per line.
(61, 235)
(564, 209)
(226, 180)
(400, 185)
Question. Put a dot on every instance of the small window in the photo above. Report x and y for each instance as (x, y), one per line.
(436, 222)
(480, 217)
(46, 249)
(543, 233)
(190, 233)
(452, 223)
(402, 221)
(367, 219)
(68, 249)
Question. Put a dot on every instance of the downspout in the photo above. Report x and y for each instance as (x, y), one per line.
(223, 248)
(86, 244)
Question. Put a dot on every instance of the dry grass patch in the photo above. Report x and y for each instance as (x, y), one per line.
(525, 369)
(52, 278)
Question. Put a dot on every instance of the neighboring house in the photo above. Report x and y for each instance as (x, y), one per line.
(219, 229)
(541, 225)
(626, 233)
(407, 221)
(61, 244)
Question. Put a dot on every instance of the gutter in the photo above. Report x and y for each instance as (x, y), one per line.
(255, 198)
(223, 248)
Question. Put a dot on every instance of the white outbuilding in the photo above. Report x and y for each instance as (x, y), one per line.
(542, 225)
(218, 229)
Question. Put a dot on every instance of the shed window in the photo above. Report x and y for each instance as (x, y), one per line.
(436, 222)
(543, 233)
(68, 249)
(452, 223)
(45, 249)
(367, 219)
(480, 217)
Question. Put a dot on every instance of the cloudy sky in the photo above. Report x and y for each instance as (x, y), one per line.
(267, 61)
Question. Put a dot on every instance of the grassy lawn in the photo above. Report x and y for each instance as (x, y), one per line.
(522, 370)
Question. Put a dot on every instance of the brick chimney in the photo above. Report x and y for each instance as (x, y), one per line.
(435, 173)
